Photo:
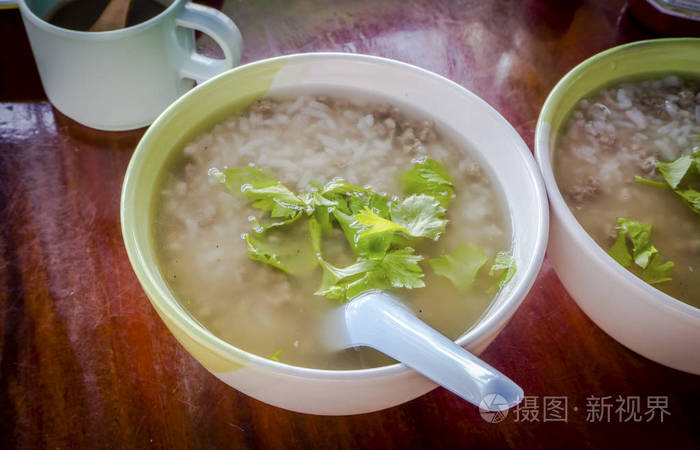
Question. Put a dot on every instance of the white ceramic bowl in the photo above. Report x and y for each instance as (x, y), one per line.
(636, 314)
(327, 391)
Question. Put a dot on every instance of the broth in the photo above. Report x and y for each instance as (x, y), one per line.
(198, 224)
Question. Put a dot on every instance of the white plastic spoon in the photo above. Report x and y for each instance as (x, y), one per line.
(377, 320)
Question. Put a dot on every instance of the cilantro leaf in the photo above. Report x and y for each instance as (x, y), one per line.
(332, 274)
(644, 254)
(684, 169)
(240, 176)
(258, 251)
(658, 184)
(674, 171)
(356, 203)
(376, 223)
(315, 232)
(657, 271)
(397, 269)
(350, 227)
(267, 194)
(691, 197)
(402, 270)
(344, 283)
(342, 193)
(640, 235)
(313, 200)
(290, 250)
(429, 178)
(375, 202)
(619, 250)
(276, 356)
(373, 245)
(341, 187)
(323, 216)
(368, 280)
(505, 264)
(261, 228)
(276, 199)
(461, 266)
(380, 232)
(419, 216)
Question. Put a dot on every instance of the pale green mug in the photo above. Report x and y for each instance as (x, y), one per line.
(123, 79)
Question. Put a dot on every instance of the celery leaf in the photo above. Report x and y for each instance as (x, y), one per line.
(258, 251)
(375, 223)
(640, 235)
(402, 270)
(674, 171)
(419, 216)
(658, 270)
(461, 266)
(430, 178)
(505, 264)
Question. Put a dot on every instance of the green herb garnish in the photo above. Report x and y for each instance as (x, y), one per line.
(268, 194)
(643, 255)
(430, 178)
(375, 223)
(658, 270)
(504, 264)
(461, 266)
(382, 234)
(674, 171)
(420, 215)
(276, 356)
(682, 176)
(397, 268)
(258, 251)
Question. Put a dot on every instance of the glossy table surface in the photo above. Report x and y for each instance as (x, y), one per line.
(86, 362)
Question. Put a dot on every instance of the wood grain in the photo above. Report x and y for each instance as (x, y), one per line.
(85, 361)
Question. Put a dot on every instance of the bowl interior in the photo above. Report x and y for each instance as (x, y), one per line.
(635, 61)
(496, 143)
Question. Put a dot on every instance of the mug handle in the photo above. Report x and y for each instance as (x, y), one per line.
(222, 29)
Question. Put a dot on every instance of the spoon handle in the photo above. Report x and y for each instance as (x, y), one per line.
(376, 320)
(113, 17)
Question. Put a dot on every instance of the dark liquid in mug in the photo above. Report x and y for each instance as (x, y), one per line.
(80, 15)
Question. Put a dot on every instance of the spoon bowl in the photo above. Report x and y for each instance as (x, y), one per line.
(375, 319)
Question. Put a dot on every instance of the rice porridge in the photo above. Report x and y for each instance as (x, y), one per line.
(611, 160)
(304, 140)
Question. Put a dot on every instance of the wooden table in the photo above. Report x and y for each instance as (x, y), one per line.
(85, 361)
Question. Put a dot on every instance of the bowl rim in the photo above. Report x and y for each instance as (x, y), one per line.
(481, 330)
(556, 199)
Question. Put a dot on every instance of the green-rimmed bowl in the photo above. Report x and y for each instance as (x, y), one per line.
(636, 314)
(472, 119)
